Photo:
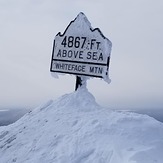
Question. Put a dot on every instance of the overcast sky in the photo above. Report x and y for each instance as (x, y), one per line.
(27, 31)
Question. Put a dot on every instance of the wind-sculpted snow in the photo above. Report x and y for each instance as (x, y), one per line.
(75, 129)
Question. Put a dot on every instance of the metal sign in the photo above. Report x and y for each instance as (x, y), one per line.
(81, 50)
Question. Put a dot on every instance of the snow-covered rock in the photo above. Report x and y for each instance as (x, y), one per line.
(75, 129)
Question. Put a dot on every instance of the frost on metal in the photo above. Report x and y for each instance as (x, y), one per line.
(81, 50)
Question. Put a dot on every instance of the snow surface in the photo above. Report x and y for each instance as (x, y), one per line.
(75, 129)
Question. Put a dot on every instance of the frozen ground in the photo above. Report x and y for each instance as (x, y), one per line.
(75, 129)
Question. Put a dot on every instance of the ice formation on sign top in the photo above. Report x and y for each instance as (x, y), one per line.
(95, 49)
(75, 129)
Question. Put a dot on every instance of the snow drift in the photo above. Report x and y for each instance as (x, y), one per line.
(75, 129)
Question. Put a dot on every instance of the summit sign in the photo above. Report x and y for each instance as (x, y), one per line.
(81, 50)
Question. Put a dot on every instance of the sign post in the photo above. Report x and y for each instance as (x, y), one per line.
(78, 82)
(81, 51)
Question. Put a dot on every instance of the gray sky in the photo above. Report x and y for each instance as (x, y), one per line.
(27, 30)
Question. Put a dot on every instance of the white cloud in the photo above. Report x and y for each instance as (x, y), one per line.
(27, 32)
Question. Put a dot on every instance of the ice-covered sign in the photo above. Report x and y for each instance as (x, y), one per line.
(81, 50)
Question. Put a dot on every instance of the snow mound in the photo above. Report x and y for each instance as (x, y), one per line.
(75, 129)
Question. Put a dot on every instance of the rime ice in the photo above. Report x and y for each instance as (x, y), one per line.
(81, 46)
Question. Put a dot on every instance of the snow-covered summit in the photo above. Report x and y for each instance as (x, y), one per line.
(75, 129)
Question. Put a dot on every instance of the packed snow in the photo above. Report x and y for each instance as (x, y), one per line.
(75, 129)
